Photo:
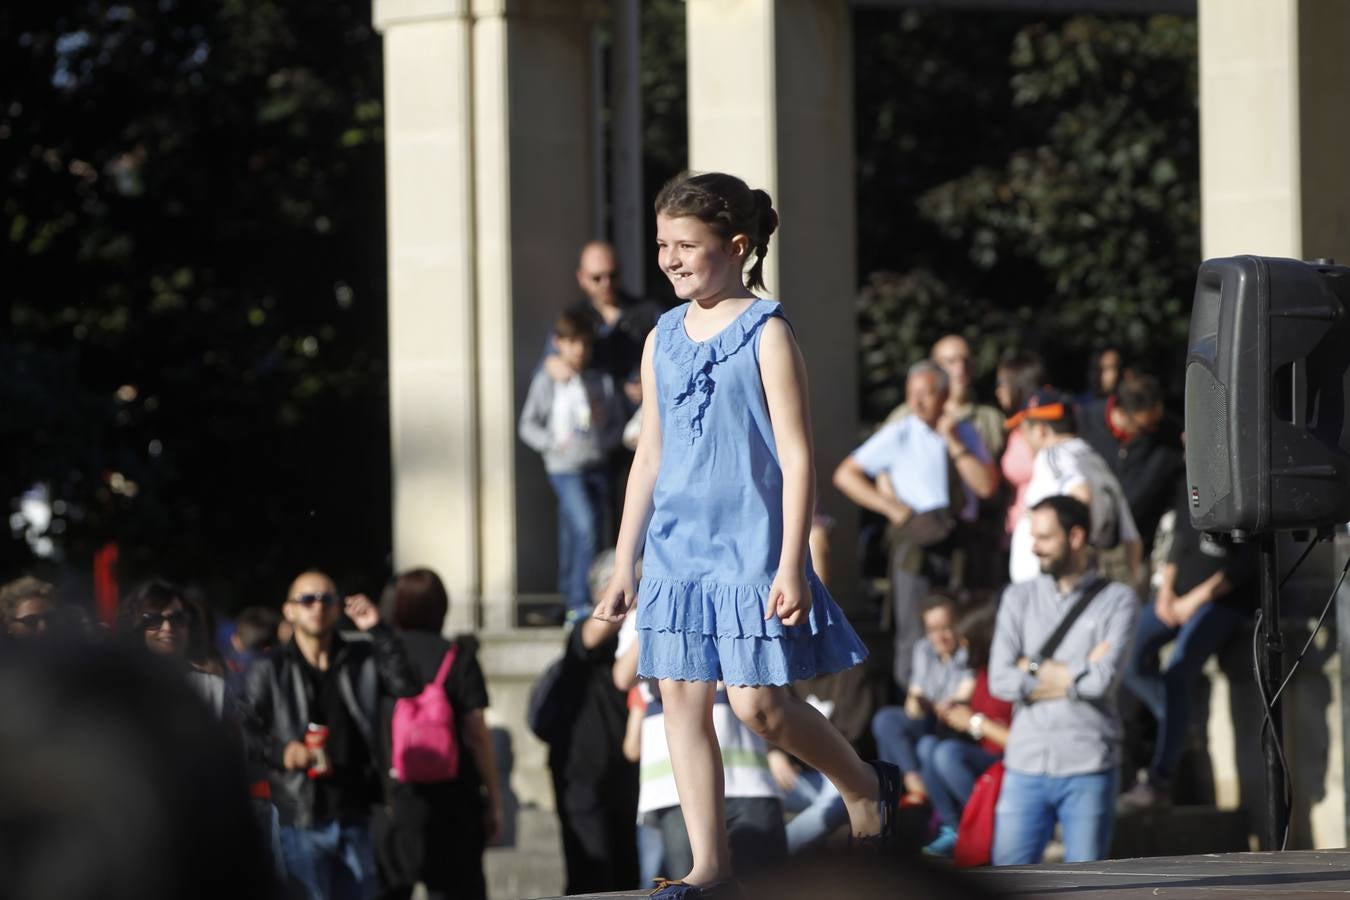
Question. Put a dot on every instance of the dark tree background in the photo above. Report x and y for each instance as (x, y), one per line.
(1026, 181)
(193, 286)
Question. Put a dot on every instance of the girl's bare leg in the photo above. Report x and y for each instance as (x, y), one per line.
(696, 760)
(772, 712)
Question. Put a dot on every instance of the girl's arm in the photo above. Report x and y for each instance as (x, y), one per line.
(637, 502)
(784, 375)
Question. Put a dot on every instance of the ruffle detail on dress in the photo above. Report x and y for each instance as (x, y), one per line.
(697, 362)
(703, 631)
(726, 610)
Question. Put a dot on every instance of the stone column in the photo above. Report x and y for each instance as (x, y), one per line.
(532, 144)
(432, 347)
(1274, 92)
(771, 100)
(1274, 99)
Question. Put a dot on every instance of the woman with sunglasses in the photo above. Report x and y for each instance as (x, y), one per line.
(154, 615)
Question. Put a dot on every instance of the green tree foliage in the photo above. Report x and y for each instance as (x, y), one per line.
(194, 283)
(1060, 213)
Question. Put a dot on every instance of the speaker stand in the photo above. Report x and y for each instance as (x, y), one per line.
(1272, 673)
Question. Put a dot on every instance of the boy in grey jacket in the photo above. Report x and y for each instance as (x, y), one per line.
(574, 424)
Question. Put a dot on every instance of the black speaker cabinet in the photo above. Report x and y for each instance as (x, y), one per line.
(1267, 382)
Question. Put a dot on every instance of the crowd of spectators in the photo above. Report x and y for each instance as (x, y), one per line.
(1018, 600)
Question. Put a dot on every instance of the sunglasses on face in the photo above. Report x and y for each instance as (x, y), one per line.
(307, 600)
(153, 621)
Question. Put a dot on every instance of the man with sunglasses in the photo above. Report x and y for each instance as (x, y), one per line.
(27, 608)
(313, 708)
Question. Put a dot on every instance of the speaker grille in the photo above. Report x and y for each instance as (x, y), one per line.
(1208, 465)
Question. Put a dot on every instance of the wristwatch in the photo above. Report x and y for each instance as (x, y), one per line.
(976, 727)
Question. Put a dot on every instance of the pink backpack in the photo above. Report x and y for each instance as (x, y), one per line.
(423, 732)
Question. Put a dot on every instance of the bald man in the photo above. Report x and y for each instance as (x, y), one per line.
(621, 322)
(952, 353)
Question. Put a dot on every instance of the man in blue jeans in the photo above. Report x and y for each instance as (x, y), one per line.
(1207, 589)
(1064, 746)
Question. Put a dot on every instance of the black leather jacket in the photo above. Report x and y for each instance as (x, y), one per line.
(276, 707)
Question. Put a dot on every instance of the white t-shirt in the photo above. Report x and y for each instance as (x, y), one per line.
(1058, 470)
(745, 759)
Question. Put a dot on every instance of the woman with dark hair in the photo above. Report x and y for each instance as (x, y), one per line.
(435, 832)
(977, 731)
(155, 615)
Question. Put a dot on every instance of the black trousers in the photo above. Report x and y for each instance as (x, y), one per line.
(598, 819)
(432, 833)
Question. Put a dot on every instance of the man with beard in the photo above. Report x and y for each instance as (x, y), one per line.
(1064, 748)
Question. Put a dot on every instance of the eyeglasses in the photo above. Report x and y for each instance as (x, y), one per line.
(328, 598)
(153, 621)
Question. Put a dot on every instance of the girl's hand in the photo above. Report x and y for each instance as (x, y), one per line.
(616, 599)
(789, 599)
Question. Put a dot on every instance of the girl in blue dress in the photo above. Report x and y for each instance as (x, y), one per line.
(721, 493)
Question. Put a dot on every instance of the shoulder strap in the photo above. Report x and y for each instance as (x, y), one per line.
(444, 671)
(1052, 642)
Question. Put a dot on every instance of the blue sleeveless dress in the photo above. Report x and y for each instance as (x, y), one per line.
(716, 530)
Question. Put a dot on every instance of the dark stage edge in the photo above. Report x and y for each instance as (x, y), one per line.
(1292, 874)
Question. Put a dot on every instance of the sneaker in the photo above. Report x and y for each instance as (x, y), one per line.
(944, 845)
(1150, 792)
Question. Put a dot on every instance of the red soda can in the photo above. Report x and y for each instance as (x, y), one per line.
(316, 736)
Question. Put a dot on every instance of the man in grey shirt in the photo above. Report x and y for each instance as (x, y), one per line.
(1064, 747)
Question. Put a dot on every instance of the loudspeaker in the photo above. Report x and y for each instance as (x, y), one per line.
(1267, 389)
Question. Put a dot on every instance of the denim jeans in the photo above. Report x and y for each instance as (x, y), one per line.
(582, 499)
(898, 736)
(1029, 806)
(651, 850)
(1167, 694)
(819, 811)
(331, 861)
(950, 767)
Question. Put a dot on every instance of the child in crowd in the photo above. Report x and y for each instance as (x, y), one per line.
(722, 490)
(574, 424)
(938, 675)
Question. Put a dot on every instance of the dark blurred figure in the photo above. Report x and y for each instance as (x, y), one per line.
(27, 608)
(155, 615)
(595, 787)
(435, 833)
(118, 785)
(312, 709)
(1142, 444)
(255, 635)
(1207, 589)
(1106, 370)
(203, 644)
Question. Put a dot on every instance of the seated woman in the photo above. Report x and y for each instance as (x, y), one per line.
(973, 732)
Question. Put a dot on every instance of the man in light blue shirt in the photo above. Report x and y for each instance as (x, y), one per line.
(907, 472)
(1064, 747)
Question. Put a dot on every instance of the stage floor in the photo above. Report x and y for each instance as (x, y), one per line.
(1295, 873)
(1221, 876)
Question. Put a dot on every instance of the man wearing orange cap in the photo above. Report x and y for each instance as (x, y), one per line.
(1066, 464)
